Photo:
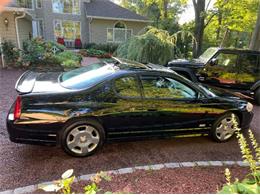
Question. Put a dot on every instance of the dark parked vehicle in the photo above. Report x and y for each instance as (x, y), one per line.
(85, 107)
(234, 69)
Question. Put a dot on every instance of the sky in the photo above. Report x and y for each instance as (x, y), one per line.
(188, 14)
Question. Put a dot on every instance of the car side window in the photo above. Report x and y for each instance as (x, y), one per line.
(127, 87)
(164, 88)
(248, 63)
(227, 59)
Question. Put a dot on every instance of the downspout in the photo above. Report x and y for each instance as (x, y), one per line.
(16, 26)
(89, 29)
(2, 55)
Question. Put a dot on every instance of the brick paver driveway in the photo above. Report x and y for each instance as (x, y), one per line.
(23, 165)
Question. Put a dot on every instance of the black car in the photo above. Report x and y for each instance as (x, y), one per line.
(233, 69)
(85, 107)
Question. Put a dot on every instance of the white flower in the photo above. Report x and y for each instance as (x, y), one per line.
(67, 174)
(51, 188)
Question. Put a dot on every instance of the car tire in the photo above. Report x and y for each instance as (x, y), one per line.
(221, 132)
(82, 138)
(257, 96)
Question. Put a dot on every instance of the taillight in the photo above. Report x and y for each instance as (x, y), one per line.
(17, 108)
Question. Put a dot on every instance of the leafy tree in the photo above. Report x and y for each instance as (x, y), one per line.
(163, 13)
(231, 23)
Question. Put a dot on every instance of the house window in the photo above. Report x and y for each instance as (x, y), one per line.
(66, 6)
(119, 33)
(40, 28)
(38, 4)
(69, 30)
(25, 4)
(37, 28)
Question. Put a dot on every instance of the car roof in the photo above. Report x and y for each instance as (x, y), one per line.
(237, 50)
(129, 65)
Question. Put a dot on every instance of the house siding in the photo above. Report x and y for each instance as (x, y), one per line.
(25, 29)
(8, 33)
(46, 13)
(48, 16)
(94, 32)
(98, 29)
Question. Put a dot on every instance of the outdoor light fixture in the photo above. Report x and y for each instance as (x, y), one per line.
(6, 21)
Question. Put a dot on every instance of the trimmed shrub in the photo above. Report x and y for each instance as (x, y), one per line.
(11, 53)
(69, 59)
(106, 47)
(155, 46)
(94, 53)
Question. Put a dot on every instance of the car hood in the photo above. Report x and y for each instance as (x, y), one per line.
(195, 63)
(33, 82)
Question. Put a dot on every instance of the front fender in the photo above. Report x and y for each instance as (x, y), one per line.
(255, 86)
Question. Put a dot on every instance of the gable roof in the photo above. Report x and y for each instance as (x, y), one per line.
(106, 9)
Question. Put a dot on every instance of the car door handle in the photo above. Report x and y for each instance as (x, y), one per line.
(152, 110)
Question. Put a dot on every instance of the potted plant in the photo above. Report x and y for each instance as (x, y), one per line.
(61, 41)
(78, 43)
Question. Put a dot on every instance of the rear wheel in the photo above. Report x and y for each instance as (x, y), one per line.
(82, 138)
(224, 128)
(257, 96)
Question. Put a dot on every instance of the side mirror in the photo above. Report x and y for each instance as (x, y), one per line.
(213, 62)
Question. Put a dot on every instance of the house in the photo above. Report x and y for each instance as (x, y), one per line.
(93, 21)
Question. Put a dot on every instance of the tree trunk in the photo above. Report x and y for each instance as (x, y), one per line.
(165, 7)
(255, 39)
(219, 27)
(224, 38)
(199, 8)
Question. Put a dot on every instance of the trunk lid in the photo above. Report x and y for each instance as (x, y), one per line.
(33, 82)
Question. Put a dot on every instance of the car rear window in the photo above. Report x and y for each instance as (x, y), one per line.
(86, 77)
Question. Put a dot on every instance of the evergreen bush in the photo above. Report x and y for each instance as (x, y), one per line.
(155, 46)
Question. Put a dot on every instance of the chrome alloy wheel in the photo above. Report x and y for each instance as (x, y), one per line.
(225, 129)
(83, 139)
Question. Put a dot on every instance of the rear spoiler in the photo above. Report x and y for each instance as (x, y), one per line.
(26, 81)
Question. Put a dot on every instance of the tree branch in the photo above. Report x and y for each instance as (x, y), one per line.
(209, 20)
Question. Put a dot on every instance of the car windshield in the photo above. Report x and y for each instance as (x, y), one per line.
(88, 76)
(208, 54)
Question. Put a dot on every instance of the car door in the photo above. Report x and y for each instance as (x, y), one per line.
(125, 112)
(223, 72)
(247, 71)
(170, 104)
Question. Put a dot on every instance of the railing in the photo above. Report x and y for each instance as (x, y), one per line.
(69, 43)
(119, 34)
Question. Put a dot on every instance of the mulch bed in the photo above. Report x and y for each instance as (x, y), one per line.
(180, 180)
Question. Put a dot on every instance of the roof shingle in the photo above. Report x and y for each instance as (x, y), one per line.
(108, 9)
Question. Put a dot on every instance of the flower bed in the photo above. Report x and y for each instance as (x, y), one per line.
(168, 181)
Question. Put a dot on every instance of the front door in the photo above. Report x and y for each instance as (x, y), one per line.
(125, 113)
(170, 105)
(248, 71)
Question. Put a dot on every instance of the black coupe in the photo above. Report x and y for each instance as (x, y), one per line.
(85, 107)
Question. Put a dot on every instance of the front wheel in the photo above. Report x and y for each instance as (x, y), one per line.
(257, 96)
(224, 128)
(82, 138)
